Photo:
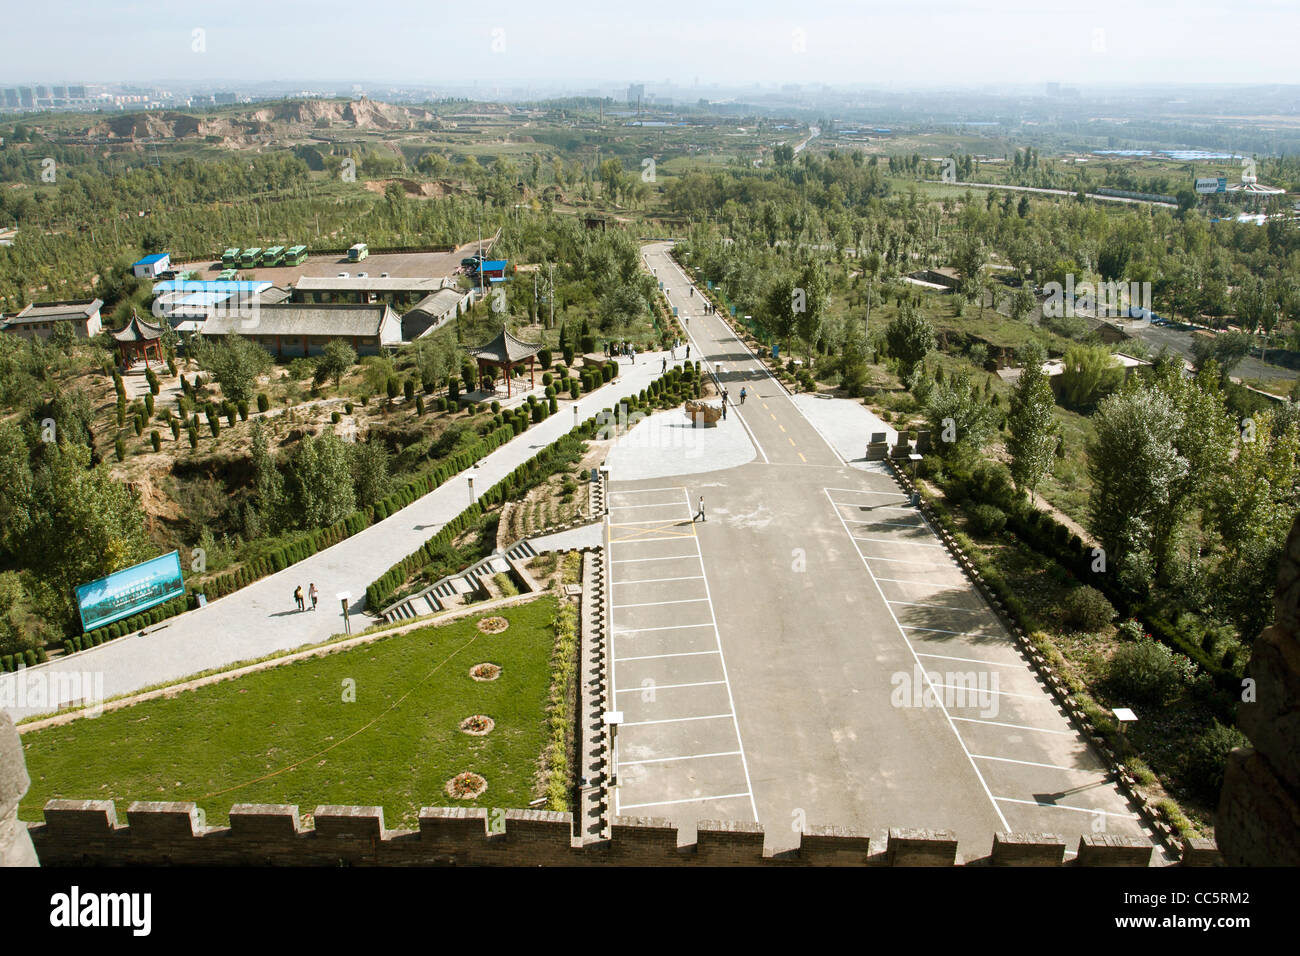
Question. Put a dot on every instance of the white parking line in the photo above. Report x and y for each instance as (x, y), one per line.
(939, 630)
(698, 683)
(663, 504)
(924, 564)
(1038, 730)
(860, 491)
(633, 763)
(643, 491)
(942, 607)
(670, 627)
(912, 544)
(1062, 806)
(1048, 766)
(984, 690)
(670, 557)
(974, 660)
(675, 720)
(655, 657)
(658, 603)
(938, 697)
(659, 521)
(666, 803)
(692, 577)
(912, 580)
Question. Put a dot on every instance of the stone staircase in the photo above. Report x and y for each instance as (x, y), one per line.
(450, 591)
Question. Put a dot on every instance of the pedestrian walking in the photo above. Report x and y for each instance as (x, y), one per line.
(665, 368)
(742, 395)
(297, 598)
(688, 353)
(700, 515)
(724, 408)
(313, 594)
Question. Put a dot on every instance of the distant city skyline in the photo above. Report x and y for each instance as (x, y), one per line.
(942, 43)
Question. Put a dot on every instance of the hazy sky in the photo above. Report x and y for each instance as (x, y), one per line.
(511, 42)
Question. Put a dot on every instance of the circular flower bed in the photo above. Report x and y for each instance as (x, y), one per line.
(485, 671)
(493, 625)
(478, 725)
(466, 786)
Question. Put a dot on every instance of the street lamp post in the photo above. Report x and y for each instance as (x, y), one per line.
(471, 477)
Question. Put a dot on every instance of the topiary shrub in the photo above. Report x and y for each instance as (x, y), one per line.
(1147, 672)
(1086, 609)
(263, 403)
(335, 417)
(156, 440)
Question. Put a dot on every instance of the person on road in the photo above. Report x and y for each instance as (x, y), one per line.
(665, 368)
(688, 353)
(742, 395)
(724, 408)
(313, 594)
(700, 515)
(297, 598)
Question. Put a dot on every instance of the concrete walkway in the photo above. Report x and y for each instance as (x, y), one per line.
(847, 425)
(262, 619)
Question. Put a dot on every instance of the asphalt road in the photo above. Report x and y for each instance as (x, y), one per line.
(810, 654)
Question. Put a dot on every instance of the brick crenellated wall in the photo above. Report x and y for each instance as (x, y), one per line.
(87, 832)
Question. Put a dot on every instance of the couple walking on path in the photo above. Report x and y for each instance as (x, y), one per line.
(311, 592)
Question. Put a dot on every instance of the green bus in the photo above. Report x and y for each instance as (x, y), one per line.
(358, 252)
(296, 256)
(250, 258)
(228, 275)
(273, 256)
(230, 258)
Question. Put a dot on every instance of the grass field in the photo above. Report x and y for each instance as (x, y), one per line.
(287, 734)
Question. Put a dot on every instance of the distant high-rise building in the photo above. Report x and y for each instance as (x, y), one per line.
(26, 98)
(77, 92)
(635, 93)
(11, 98)
(225, 99)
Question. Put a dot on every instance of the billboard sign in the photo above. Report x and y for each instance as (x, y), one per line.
(130, 590)
(1211, 184)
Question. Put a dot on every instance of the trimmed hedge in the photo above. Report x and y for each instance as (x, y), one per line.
(527, 474)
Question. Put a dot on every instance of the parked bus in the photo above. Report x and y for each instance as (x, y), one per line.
(273, 256)
(250, 258)
(228, 275)
(358, 252)
(230, 258)
(296, 256)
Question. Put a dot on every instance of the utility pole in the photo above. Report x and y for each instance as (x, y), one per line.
(550, 293)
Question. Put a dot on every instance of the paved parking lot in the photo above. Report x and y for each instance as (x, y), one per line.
(1037, 769)
(679, 747)
(811, 654)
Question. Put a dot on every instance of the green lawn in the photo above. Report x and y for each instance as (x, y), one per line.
(286, 735)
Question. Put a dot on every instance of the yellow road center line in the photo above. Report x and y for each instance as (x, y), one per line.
(791, 441)
(780, 426)
(802, 458)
